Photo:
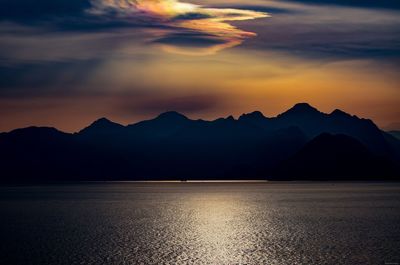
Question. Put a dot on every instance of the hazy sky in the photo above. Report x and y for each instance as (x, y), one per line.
(65, 63)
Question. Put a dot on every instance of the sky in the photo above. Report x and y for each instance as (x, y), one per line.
(66, 63)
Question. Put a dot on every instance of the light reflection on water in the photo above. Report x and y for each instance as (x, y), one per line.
(201, 223)
(218, 224)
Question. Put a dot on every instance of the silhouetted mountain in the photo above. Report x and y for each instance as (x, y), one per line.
(102, 126)
(254, 116)
(293, 145)
(335, 157)
(395, 134)
(313, 122)
(46, 154)
(301, 111)
(165, 124)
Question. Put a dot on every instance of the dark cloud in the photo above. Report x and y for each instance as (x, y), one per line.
(156, 105)
(190, 39)
(43, 78)
(190, 16)
(33, 10)
(56, 15)
(68, 15)
(387, 4)
(334, 45)
(331, 33)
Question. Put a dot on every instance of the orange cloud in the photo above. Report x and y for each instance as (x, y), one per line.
(196, 30)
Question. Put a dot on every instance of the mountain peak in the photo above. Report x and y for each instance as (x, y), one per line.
(102, 124)
(105, 123)
(339, 113)
(255, 115)
(301, 108)
(37, 130)
(102, 120)
(230, 118)
(172, 115)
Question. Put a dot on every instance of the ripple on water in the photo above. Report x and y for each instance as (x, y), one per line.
(187, 223)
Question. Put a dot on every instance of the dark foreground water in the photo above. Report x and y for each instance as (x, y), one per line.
(201, 223)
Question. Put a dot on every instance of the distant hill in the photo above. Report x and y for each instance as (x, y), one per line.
(301, 143)
(335, 157)
(395, 134)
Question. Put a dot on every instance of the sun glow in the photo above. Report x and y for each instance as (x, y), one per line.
(191, 29)
(165, 8)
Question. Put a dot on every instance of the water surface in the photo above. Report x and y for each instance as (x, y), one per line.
(201, 223)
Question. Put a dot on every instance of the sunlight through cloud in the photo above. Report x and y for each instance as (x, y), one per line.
(191, 29)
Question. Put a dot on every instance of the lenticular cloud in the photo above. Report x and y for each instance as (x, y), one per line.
(192, 29)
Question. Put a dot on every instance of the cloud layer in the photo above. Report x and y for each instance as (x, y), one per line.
(91, 58)
(185, 21)
(387, 4)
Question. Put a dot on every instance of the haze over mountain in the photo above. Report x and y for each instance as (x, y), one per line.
(299, 144)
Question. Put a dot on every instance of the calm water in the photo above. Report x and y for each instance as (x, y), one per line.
(201, 223)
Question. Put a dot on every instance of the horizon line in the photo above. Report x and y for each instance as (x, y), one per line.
(234, 117)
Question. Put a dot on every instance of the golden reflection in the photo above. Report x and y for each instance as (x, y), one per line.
(220, 227)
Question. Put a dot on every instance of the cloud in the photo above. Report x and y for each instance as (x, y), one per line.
(329, 33)
(74, 50)
(386, 4)
(44, 78)
(173, 16)
(186, 20)
(33, 10)
(190, 39)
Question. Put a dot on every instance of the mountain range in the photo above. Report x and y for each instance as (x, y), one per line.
(299, 144)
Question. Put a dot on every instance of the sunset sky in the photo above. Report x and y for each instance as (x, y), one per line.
(65, 63)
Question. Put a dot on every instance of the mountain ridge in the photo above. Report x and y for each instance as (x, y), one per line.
(299, 107)
(172, 146)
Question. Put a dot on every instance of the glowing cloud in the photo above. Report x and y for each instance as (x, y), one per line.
(192, 29)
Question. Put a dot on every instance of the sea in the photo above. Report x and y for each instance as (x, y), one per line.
(201, 223)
